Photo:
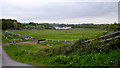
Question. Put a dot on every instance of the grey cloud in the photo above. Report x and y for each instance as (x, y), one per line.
(64, 10)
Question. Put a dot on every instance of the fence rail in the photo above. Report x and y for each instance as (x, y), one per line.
(101, 37)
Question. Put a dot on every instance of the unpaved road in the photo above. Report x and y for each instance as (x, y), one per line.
(32, 42)
(26, 42)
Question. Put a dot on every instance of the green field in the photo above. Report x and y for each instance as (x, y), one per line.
(72, 34)
(95, 53)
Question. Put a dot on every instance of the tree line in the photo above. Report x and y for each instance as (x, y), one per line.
(113, 27)
(10, 24)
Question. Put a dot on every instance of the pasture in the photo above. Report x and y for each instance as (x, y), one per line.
(94, 53)
(69, 35)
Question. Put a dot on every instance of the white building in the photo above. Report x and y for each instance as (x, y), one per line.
(62, 27)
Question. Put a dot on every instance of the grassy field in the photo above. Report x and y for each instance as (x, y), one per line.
(95, 53)
(72, 34)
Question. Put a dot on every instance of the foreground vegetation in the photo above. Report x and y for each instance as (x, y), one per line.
(95, 53)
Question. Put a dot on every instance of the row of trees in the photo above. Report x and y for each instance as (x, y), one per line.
(33, 25)
(114, 27)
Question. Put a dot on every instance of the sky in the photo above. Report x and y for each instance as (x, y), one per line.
(60, 11)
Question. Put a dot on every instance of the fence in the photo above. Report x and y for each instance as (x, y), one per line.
(65, 41)
(116, 35)
(102, 37)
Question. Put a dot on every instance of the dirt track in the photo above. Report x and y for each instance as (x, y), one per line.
(27, 42)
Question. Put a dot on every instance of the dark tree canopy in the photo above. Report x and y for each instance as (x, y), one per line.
(10, 24)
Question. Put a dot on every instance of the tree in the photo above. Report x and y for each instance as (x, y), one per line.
(32, 24)
(15, 25)
(10, 24)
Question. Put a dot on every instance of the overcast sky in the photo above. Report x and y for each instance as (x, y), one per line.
(61, 11)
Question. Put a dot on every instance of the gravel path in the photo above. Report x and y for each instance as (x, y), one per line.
(32, 42)
(26, 42)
